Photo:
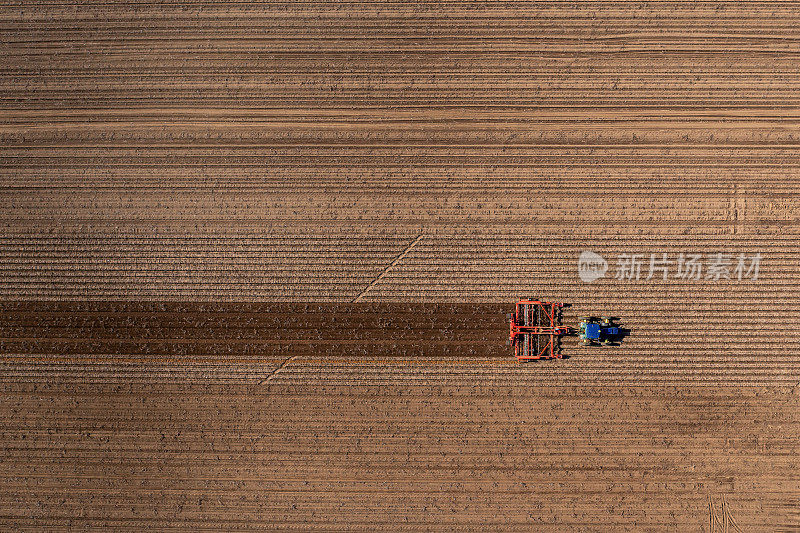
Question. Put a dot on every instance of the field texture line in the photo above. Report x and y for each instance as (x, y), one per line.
(275, 372)
(397, 259)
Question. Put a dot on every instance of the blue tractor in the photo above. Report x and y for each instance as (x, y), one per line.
(594, 332)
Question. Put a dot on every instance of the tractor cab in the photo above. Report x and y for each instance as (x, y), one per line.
(592, 331)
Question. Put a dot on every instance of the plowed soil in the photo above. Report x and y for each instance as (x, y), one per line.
(255, 260)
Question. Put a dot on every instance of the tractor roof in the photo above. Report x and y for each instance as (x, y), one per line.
(592, 331)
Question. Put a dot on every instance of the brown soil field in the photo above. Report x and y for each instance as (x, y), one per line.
(255, 260)
(371, 343)
(237, 457)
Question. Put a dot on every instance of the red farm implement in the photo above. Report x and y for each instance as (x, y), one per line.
(534, 332)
